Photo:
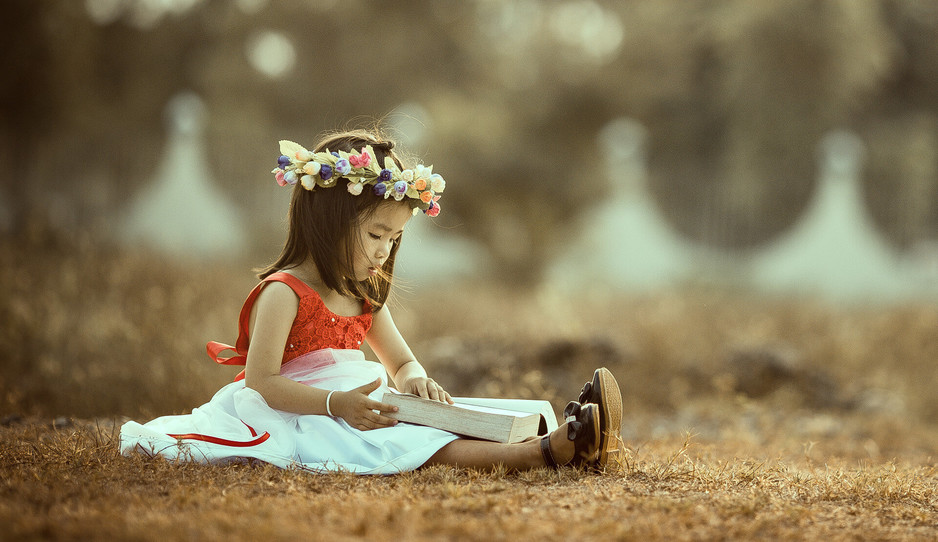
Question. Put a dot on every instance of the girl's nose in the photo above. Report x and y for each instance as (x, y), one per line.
(383, 252)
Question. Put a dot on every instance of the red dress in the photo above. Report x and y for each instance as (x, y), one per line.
(314, 328)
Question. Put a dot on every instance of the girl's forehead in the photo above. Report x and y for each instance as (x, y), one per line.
(392, 215)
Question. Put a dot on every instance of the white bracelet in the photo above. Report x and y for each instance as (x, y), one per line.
(329, 396)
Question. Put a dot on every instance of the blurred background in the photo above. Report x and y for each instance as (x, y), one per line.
(770, 167)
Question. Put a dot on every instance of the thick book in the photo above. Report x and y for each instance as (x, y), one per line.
(499, 420)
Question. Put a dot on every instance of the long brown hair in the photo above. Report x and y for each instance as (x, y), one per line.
(324, 221)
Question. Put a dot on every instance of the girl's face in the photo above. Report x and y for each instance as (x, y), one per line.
(377, 234)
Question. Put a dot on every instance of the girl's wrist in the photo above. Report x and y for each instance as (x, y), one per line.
(407, 371)
(328, 401)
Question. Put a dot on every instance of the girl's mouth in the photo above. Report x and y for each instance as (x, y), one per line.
(373, 271)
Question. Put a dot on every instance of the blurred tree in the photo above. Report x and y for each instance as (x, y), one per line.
(734, 94)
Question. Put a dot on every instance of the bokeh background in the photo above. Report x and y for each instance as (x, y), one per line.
(719, 199)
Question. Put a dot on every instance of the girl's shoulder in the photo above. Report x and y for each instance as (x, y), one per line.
(296, 284)
(320, 297)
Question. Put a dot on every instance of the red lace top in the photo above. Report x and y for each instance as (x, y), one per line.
(314, 328)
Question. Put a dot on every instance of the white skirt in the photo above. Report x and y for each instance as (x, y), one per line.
(237, 425)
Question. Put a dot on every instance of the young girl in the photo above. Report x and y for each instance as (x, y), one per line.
(307, 397)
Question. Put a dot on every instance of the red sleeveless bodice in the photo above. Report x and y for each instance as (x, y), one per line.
(314, 328)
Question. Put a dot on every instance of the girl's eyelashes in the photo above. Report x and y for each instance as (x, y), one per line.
(377, 237)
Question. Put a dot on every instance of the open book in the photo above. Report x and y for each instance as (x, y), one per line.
(500, 420)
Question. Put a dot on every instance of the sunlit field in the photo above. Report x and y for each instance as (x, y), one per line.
(744, 417)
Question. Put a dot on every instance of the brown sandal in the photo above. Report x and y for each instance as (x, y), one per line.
(603, 390)
(583, 429)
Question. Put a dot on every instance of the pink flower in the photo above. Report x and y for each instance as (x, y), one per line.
(434, 209)
(280, 180)
(361, 160)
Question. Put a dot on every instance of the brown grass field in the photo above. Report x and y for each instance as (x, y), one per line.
(745, 418)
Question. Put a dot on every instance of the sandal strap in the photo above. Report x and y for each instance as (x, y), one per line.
(586, 393)
(546, 453)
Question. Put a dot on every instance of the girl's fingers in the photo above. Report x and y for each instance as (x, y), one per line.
(433, 390)
(381, 421)
(374, 421)
(421, 389)
(382, 407)
(369, 387)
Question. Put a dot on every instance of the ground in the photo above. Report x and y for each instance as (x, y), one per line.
(745, 417)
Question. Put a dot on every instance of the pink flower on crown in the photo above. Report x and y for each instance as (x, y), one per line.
(280, 180)
(361, 160)
(434, 209)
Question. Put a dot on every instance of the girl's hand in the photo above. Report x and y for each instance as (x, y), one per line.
(358, 410)
(426, 387)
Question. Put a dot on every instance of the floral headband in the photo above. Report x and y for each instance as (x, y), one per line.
(324, 169)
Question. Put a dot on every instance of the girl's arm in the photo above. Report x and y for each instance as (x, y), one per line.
(273, 315)
(399, 361)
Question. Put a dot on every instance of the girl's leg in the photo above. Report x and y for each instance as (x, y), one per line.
(482, 454)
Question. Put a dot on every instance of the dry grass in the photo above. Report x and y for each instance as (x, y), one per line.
(745, 418)
(70, 484)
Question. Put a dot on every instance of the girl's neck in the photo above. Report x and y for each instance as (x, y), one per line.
(308, 273)
(334, 301)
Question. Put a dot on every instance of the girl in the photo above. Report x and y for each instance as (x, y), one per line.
(307, 397)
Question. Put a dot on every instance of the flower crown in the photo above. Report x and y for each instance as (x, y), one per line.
(324, 169)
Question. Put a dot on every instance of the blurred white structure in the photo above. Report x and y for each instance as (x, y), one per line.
(181, 212)
(834, 251)
(430, 254)
(623, 243)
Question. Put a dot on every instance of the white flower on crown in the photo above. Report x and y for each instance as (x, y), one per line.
(355, 188)
(437, 184)
(421, 172)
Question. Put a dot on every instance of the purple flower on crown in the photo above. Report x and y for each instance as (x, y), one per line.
(325, 172)
(283, 161)
(385, 175)
(342, 167)
(380, 189)
(400, 186)
(335, 154)
(290, 177)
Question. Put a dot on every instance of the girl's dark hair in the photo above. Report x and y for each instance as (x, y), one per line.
(323, 224)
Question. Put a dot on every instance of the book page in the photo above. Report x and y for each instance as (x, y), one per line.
(492, 410)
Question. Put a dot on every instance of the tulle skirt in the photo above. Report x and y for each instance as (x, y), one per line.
(237, 425)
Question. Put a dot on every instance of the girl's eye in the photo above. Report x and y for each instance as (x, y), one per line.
(374, 236)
